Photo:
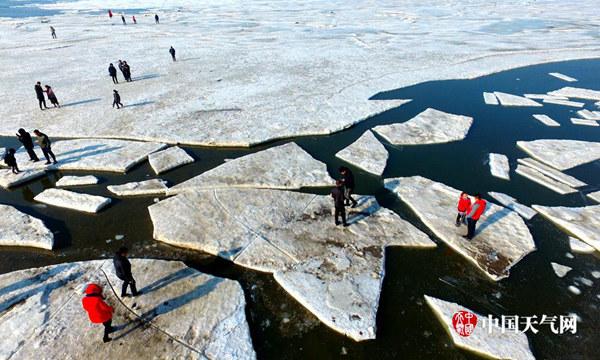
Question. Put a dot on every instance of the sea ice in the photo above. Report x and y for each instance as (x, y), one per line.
(495, 343)
(594, 196)
(282, 167)
(511, 203)
(583, 222)
(366, 153)
(490, 98)
(574, 289)
(564, 102)
(429, 127)
(585, 122)
(579, 246)
(20, 229)
(72, 200)
(590, 115)
(147, 187)
(171, 158)
(500, 231)
(562, 77)
(514, 100)
(560, 270)
(546, 120)
(579, 93)
(538, 177)
(561, 154)
(551, 172)
(499, 166)
(544, 96)
(8, 179)
(76, 181)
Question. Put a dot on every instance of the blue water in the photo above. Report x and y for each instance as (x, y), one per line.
(25, 8)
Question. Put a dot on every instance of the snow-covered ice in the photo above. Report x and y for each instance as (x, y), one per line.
(366, 153)
(586, 122)
(499, 166)
(72, 200)
(560, 270)
(490, 98)
(564, 102)
(562, 76)
(546, 120)
(578, 93)
(590, 115)
(429, 127)
(20, 229)
(66, 181)
(551, 172)
(512, 203)
(561, 154)
(574, 290)
(8, 179)
(140, 188)
(171, 158)
(544, 96)
(583, 222)
(594, 196)
(579, 246)
(282, 167)
(495, 344)
(515, 100)
(502, 238)
(335, 272)
(538, 177)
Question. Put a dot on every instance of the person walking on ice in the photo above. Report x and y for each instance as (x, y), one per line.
(338, 202)
(98, 311)
(464, 203)
(156, 19)
(46, 146)
(117, 99)
(25, 139)
(112, 71)
(53, 32)
(123, 19)
(11, 161)
(110, 14)
(473, 216)
(127, 71)
(123, 271)
(39, 92)
(172, 52)
(51, 96)
(134, 20)
(348, 185)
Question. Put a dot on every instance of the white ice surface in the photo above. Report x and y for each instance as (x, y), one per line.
(546, 120)
(538, 177)
(499, 166)
(583, 222)
(579, 246)
(72, 200)
(560, 270)
(564, 102)
(366, 153)
(20, 229)
(146, 187)
(578, 93)
(594, 196)
(8, 179)
(562, 76)
(544, 96)
(585, 122)
(515, 100)
(429, 127)
(561, 154)
(590, 115)
(551, 172)
(512, 203)
(490, 98)
(77, 181)
(171, 158)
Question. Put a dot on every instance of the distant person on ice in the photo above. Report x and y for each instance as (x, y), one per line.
(156, 18)
(126, 71)
(464, 203)
(134, 20)
(39, 92)
(338, 202)
(53, 32)
(25, 139)
(51, 96)
(98, 311)
(473, 215)
(120, 65)
(348, 185)
(11, 161)
(46, 145)
(123, 271)
(117, 99)
(110, 14)
(123, 19)
(112, 71)
(172, 52)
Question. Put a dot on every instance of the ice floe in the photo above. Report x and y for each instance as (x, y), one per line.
(579, 246)
(72, 200)
(560, 270)
(578, 93)
(429, 127)
(495, 343)
(171, 158)
(511, 203)
(515, 100)
(594, 196)
(551, 172)
(563, 102)
(335, 272)
(8, 179)
(490, 98)
(66, 181)
(282, 167)
(544, 96)
(20, 229)
(583, 222)
(139, 188)
(502, 238)
(538, 177)
(562, 77)
(499, 166)
(574, 290)
(546, 120)
(561, 154)
(366, 153)
(590, 115)
(586, 122)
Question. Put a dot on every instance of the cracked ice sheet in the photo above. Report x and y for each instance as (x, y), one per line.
(20, 229)
(511, 203)
(171, 158)
(583, 222)
(141, 188)
(294, 236)
(499, 166)
(498, 344)
(66, 181)
(502, 239)
(429, 127)
(269, 168)
(551, 172)
(540, 178)
(515, 100)
(561, 154)
(578, 93)
(72, 200)
(8, 179)
(366, 153)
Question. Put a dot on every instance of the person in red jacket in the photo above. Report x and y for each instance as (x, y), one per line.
(464, 203)
(474, 213)
(98, 311)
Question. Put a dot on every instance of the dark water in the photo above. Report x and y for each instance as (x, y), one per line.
(25, 8)
(406, 328)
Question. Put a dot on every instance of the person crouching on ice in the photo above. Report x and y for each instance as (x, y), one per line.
(98, 311)
(464, 204)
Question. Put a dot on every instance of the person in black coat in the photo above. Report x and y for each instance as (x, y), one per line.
(348, 185)
(338, 201)
(25, 139)
(11, 161)
(117, 99)
(112, 71)
(172, 52)
(123, 271)
(126, 71)
(39, 92)
(156, 20)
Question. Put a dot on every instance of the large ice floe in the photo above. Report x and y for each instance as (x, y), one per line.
(140, 188)
(72, 200)
(502, 239)
(511, 203)
(366, 153)
(494, 343)
(20, 229)
(181, 313)
(67, 181)
(551, 172)
(563, 102)
(515, 100)
(546, 181)
(579, 93)
(429, 127)
(8, 179)
(582, 222)
(171, 158)
(282, 167)
(562, 154)
(335, 272)
(499, 166)
(546, 120)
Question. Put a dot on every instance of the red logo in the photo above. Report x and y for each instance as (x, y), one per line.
(464, 322)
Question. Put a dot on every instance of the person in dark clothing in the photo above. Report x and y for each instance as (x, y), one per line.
(126, 71)
(11, 161)
(123, 271)
(348, 185)
(39, 92)
(25, 139)
(172, 52)
(110, 14)
(123, 19)
(117, 99)
(134, 20)
(338, 201)
(53, 32)
(112, 71)
(51, 96)
(475, 211)
(45, 144)
(98, 310)
(156, 18)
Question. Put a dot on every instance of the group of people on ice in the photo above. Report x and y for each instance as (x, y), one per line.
(110, 15)
(342, 194)
(469, 212)
(25, 138)
(47, 91)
